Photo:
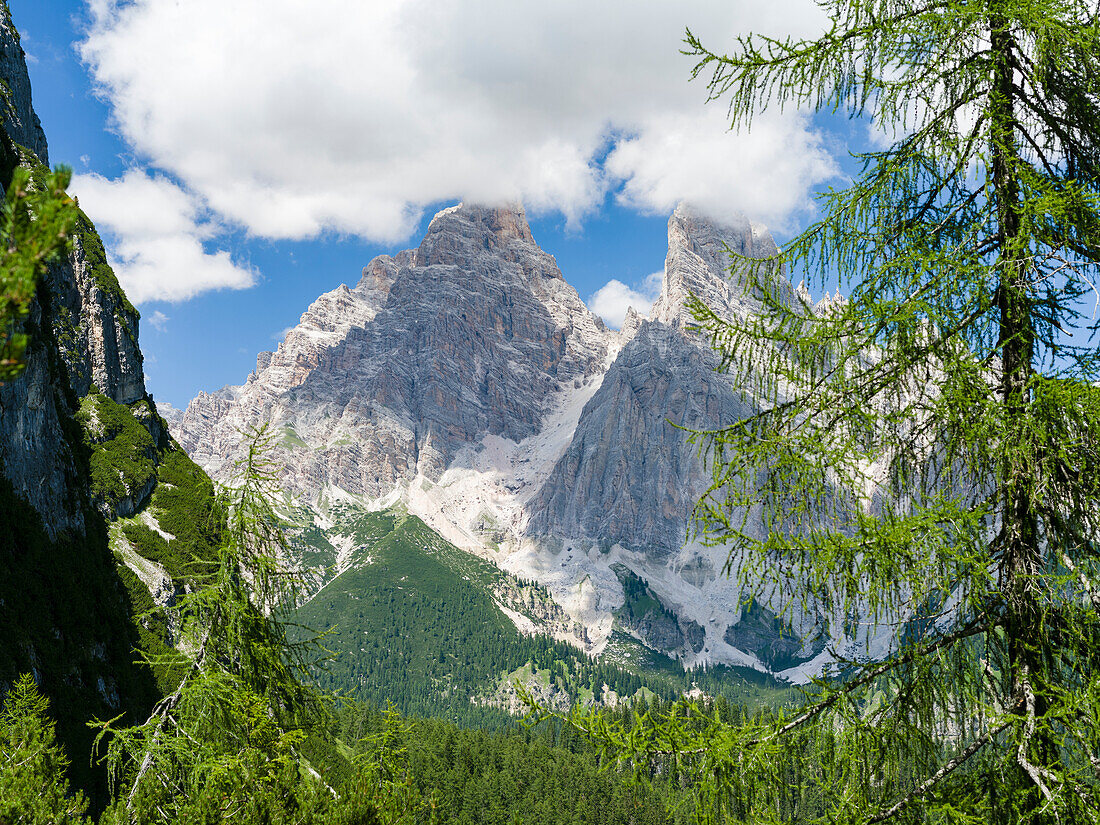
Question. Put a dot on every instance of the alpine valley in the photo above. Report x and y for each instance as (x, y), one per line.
(488, 484)
(459, 552)
(464, 387)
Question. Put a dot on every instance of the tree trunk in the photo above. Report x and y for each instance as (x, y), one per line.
(1020, 560)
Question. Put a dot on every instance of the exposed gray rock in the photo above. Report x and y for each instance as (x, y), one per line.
(631, 324)
(35, 455)
(630, 475)
(536, 604)
(96, 327)
(173, 416)
(20, 120)
(466, 379)
(84, 332)
(694, 634)
(467, 335)
(646, 617)
(699, 264)
(657, 630)
(262, 362)
(759, 631)
(81, 331)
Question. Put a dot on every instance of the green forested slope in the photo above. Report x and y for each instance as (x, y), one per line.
(547, 775)
(413, 621)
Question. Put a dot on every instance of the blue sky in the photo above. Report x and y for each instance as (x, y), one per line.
(242, 157)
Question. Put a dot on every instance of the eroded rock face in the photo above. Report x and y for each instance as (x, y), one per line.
(775, 643)
(35, 456)
(699, 264)
(647, 618)
(82, 331)
(19, 119)
(60, 579)
(630, 476)
(171, 415)
(436, 347)
(96, 325)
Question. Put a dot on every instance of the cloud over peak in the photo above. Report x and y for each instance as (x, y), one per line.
(290, 119)
(613, 299)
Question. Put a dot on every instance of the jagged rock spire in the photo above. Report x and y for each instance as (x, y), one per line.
(698, 263)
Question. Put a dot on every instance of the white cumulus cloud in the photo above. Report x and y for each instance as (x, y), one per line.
(767, 175)
(613, 299)
(292, 118)
(157, 233)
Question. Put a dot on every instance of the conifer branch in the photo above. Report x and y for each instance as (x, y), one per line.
(970, 630)
(162, 712)
(939, 775)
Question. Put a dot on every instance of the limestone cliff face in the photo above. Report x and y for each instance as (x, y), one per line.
(96, 324)
(465, 336)
(20, 122)
(465, 379)
(85, 333)
(698, 263)
(630, 476)
(33, 453)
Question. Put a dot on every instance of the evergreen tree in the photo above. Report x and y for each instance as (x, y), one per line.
(226, 743)
(384, 775)
(33, 787)
(925, 455)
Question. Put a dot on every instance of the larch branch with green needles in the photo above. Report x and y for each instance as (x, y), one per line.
(924, 456)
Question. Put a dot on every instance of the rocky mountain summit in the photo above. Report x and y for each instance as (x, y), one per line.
(468, 335)
(466, 381)
(628, 476)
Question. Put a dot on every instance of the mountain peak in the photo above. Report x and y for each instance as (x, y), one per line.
(502, 221)
(699, 262)
(465, 230)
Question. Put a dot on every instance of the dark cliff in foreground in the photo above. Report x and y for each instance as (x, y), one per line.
(82, 455)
